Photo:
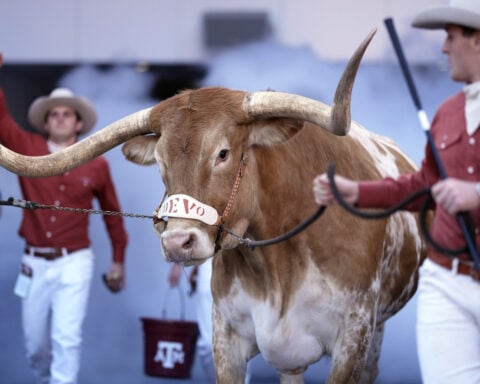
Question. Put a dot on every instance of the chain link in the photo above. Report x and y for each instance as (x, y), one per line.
(33, 205)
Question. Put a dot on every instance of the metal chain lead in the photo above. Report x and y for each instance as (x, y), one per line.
(33, 205)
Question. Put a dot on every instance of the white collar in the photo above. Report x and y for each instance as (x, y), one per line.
(472, 106)
(52, 147)
(472, 90)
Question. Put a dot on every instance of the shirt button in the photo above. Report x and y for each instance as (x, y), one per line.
(470, 170)
(49, 234)
(442, 146)
(53, 219)
(56, 203)
(62, 187)
(471, 140)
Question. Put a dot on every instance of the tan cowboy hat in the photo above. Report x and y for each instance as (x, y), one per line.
(465, 13)
(62, 96)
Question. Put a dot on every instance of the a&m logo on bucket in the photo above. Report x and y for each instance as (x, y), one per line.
(169, 353)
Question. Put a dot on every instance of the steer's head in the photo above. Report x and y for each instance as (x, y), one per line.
(201, 141)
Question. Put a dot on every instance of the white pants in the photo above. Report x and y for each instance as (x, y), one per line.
(204, 319)
(53, 313)
(448, 326)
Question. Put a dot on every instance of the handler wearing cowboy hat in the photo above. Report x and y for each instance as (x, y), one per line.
(57, 263)
(448, 317)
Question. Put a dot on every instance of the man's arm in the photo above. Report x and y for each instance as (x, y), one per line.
(108, 200)
(11, 134)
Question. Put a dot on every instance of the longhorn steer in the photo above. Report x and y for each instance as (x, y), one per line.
(326, 291)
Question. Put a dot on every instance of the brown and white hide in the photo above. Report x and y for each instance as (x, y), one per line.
(326, 291)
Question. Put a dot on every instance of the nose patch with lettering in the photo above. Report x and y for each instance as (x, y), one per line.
(184, 206)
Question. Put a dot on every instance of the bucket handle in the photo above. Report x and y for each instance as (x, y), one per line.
(182, 301)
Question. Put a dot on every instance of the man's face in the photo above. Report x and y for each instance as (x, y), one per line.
(62, 123)
(463, 54)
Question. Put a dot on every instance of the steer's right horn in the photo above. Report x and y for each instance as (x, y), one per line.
(137, 123)
(336, 119)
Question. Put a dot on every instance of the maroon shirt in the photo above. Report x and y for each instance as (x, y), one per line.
(76, 188)
(460, 155)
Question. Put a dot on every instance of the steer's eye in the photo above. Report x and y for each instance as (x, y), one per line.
(222, 156)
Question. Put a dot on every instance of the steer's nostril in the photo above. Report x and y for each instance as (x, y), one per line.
(179, 242)
(190, 242)
(184, 245)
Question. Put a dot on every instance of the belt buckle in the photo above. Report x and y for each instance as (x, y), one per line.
(51, 256)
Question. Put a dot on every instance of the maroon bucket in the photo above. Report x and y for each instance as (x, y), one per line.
(169, 346)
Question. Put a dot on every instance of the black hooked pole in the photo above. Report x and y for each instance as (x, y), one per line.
(422, 116)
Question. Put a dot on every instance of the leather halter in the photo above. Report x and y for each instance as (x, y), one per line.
(220, 223)
(228, 207)
(158, 213)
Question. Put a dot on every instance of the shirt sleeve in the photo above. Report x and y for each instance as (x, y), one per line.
(108, 201)
(13, 136)
(8, 127)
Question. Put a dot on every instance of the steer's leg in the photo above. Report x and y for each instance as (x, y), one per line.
(229, 351)
(370, 371)
(351, 348)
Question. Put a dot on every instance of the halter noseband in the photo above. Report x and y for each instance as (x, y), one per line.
(184, 206)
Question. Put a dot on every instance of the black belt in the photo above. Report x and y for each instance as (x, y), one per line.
(48, 253)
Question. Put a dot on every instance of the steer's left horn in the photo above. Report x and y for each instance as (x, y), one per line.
(137, 123)
(335, 119)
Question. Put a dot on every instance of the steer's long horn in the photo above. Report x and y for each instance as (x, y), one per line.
(100, 142)
(335, 119)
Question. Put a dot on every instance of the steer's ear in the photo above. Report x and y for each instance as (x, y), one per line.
(273, 131)
(140, 149)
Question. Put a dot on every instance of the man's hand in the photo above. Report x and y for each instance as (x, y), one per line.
(456, 195)
(323, 192)
(1, 60)
(115, 278)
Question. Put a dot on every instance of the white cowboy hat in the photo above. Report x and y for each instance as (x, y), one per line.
(62, 96)
(465, 13)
